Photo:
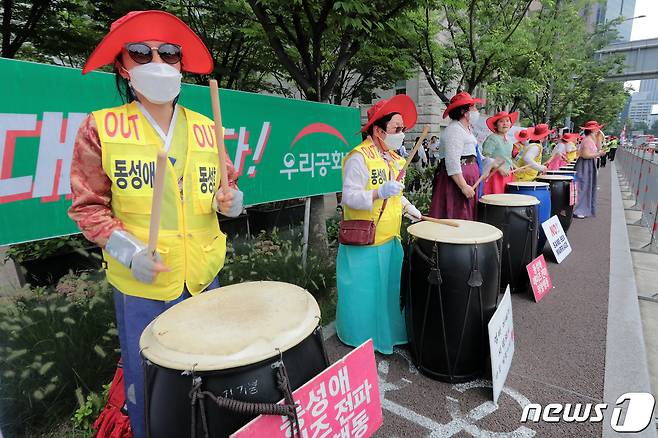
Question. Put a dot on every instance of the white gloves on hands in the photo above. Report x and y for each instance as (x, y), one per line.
(390, 188)
(230, 204)
(145, 267)
(132, 253)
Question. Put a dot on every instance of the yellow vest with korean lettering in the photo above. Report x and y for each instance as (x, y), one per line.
(191, 245)
(379, 170)
(527, 174)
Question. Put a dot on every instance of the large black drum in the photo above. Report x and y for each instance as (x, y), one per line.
(561, 199)
(230, 342)
(450, 293)
(517, 217)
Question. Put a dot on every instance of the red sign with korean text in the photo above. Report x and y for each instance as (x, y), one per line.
(341, 402)
(539, 278)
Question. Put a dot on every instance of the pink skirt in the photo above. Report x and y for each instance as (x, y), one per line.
(448, 201)
(556, 164)
(496, 183)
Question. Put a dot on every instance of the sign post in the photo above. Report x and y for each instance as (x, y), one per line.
(343, 400)
(501, 343)
(557, 238)
(539, 278)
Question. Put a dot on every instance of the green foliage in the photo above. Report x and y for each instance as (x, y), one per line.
(90, 409)
(277, 256)
(54, 344)
(418, 190)
(41, 249)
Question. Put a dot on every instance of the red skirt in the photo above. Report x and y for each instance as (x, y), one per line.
(496, 183)
(448, 201)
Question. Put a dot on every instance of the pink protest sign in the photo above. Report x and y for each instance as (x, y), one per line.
(539, 278)
(341, 402)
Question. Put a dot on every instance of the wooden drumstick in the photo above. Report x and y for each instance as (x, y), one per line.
(156, 206)
(440, 221)
(219, 133)
(497, 163)
(520, 168)
(422, 137)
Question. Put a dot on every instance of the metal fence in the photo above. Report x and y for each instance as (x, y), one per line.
(639, 169)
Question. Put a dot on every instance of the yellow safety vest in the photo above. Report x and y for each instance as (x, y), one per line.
(528, 174)
(379, 171)
(573, 155)
(191, 244)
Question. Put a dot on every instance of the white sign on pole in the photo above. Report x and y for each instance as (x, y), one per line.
(501, 343)
(557, 238)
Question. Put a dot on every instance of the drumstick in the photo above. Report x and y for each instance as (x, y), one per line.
(219, 133)
(497, 163)
(520, 168)
(422, 137)
(440, 221)
(156, 206)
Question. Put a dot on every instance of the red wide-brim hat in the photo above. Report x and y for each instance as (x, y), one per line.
(569, 137)
(491, 121)
(539, 132)
(400, 103)
(521, 135)
(592, 125)
(138, 26)
(461, 99)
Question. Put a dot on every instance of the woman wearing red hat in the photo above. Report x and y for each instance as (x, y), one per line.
(531, 154)
(521, 142)
(453, 196)
(586, 171)
(112, 182)
(562, 149)
(499, 146)
(368, 276)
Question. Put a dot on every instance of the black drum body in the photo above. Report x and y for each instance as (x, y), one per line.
(519, 225)
(451, 292)
(560, 202)
(168, 408)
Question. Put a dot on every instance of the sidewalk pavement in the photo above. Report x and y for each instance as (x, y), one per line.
(582, 344)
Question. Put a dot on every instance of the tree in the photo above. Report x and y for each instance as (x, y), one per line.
(463, 43)
(243, 59)
(314, 40)
(19, 20)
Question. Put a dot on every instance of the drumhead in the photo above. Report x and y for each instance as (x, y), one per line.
(528, 184)
(509, 200)
(555, 177)
(231, 326)
(467, 233)
(561, 171)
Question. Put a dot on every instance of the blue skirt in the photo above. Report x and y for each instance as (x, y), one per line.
(368, 279)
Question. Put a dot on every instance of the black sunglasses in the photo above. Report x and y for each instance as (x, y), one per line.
(142, 53)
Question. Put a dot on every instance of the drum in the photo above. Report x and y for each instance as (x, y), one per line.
(234, 342)
(450, 292)
(516, 217)
(561, 200)
(542, 192)
(571, 173)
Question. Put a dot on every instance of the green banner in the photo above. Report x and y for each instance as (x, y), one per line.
(282, 148)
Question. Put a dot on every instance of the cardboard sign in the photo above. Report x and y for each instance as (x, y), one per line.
(501, 343)
(341, 401)
(556, 237)
(539, 278)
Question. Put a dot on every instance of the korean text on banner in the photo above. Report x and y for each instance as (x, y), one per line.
(539, 278)
(557, 238)
(343, 400)
(501, 343)
(281, 148)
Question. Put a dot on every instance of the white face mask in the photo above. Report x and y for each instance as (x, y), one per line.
(394, 141)
(473, 116)
(157, 82)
